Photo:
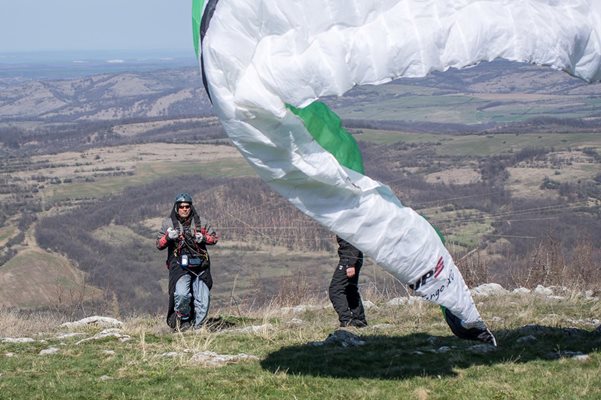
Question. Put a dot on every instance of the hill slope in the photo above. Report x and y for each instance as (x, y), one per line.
(503, 158)
(548, 349)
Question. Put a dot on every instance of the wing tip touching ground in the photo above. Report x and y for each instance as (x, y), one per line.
(479, 333)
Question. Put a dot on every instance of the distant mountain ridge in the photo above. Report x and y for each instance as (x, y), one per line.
(127, 95)
(174, 92)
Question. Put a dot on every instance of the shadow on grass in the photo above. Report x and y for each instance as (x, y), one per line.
(421, 354)
(215, 324)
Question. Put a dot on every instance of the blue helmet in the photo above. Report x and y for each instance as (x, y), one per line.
(183, 198)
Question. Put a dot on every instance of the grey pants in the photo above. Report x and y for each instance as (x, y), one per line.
(189, 286)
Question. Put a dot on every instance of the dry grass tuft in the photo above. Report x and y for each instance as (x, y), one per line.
(421, 394)
(25, 324)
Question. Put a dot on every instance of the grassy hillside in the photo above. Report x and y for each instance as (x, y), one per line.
(547, 350)
(504, 159)
(36, 278)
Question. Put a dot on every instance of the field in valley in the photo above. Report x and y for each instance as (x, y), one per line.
(505, 166)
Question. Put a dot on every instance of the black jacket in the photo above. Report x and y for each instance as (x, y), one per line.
(349, 255)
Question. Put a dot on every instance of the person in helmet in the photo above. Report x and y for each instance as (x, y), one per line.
(344, 290)
(190, 281)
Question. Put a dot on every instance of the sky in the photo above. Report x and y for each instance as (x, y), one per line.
(92, 25)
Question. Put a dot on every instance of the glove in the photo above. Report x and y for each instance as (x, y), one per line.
(199, 237)
(172, 233)
(210, 238)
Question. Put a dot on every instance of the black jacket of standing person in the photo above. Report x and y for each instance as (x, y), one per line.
(344, 290)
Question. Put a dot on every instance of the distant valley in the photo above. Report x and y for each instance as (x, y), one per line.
(505, 159)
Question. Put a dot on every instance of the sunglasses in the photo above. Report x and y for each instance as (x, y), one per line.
(183, 207)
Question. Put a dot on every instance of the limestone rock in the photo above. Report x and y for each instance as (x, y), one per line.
(489, 289)
(211, 359)
(49, 351)
(116, 333)
(543, 291)
(18, 340)
(104, 322)
(400, 301)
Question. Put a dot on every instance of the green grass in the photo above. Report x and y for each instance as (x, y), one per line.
(469, 235)
(417, 106)
(470, 145)
(426, 104)
(399, 360)
(484, 145)
(448, 109)
(464, 228)
(390, 137)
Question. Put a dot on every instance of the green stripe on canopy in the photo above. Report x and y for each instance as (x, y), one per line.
(326, 128)
(197, 6)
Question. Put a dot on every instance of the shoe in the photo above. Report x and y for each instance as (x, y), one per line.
(182, 324)
(355, 323)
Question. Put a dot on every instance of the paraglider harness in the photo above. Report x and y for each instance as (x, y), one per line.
(190, 256)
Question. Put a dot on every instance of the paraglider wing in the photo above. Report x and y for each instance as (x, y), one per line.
(266, 62)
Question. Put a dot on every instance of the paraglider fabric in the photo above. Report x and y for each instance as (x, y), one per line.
(265, 63)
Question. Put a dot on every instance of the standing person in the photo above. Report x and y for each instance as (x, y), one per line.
(188, 262)
(343, 290)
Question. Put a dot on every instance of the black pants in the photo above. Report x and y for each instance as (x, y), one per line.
(344, 295)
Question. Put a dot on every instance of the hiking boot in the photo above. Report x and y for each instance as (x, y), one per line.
(182, 324)
(344, 324)
(355, 323)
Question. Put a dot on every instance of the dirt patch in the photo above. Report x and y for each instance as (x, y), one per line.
(153, 223)
(127, 154)
(122, 159)
(514, 96)
(526, 182)
(454, 176)
(143, 127)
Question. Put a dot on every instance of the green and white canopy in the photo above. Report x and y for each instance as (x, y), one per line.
(266, 63)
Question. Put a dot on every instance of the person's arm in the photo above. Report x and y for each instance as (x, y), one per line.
(162, 240)
(209, 236)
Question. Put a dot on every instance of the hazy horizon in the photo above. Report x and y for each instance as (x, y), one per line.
(94, 54)
(44, 65)
(97, 25)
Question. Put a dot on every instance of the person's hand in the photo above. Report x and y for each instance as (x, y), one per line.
(210, 236)
(350, 271)
(199, 237)
(172, 233)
